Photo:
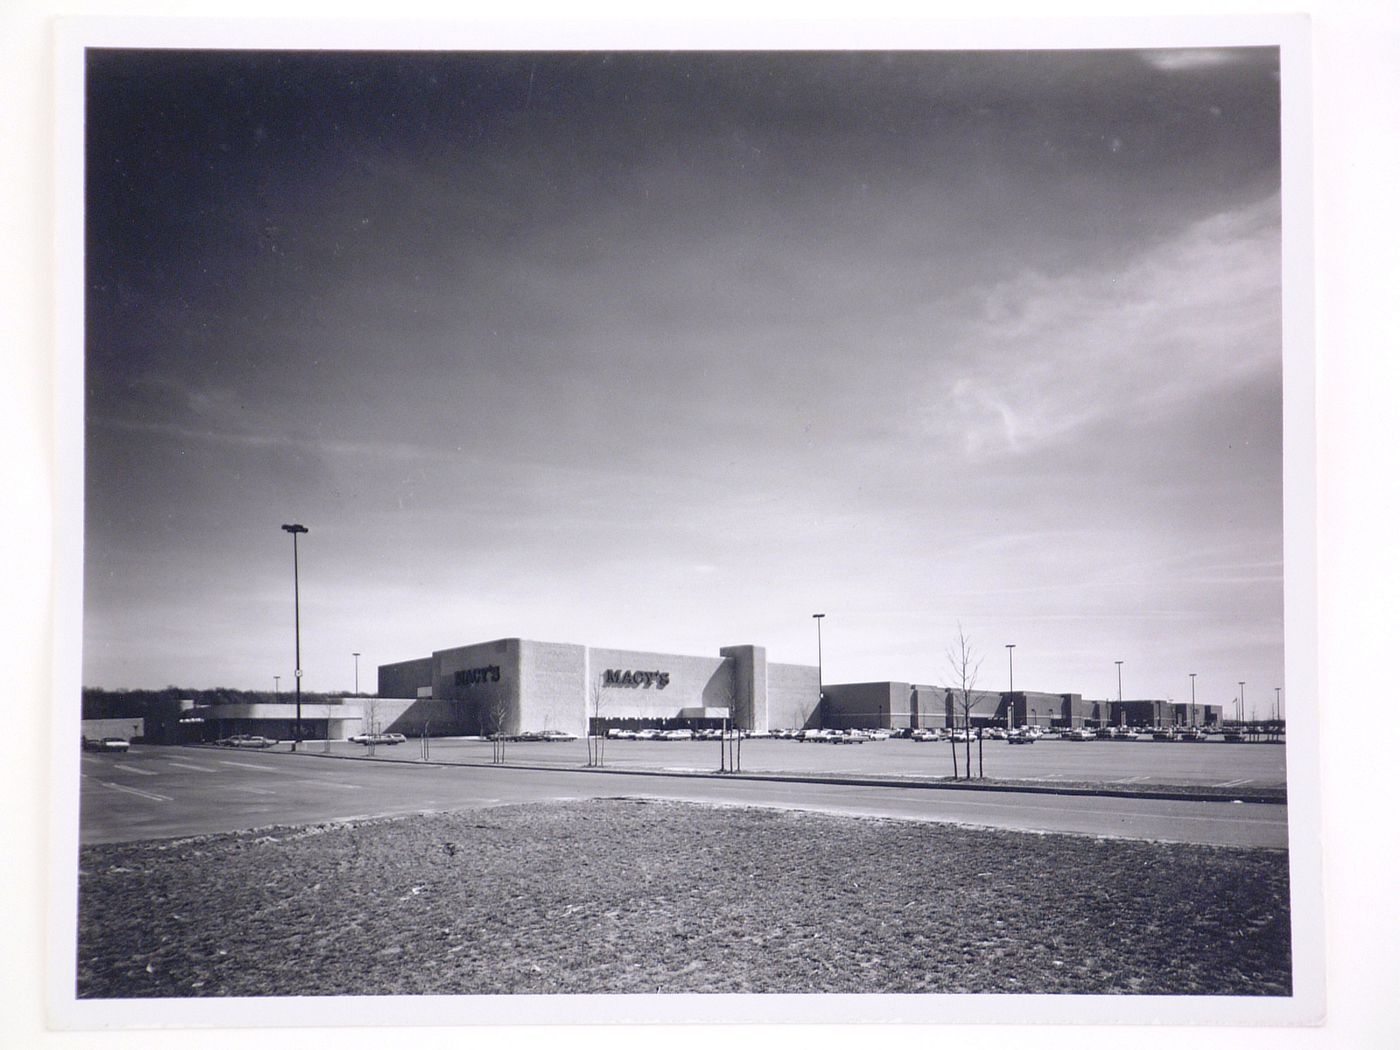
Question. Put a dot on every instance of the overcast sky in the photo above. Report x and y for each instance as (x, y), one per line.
(670, 351)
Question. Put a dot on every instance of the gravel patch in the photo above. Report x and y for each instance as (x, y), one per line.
(628, 896)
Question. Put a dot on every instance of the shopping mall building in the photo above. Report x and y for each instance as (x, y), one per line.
(516, 685)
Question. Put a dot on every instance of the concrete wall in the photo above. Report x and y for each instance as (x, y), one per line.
(692, 681)
(866, 705)
(750, 670)
(927, 707)
(984, 707)
(792, 697)
(409, 717)
(405, 678)
(554, 687)
(101, 728)
(1146, 714)
(1204, 714)
(483, 680)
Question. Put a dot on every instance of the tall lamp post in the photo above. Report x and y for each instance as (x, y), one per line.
(1193, 699)
(1010, 685)
(277, 685)
(357, 673)
(1241, 701)
(296, 530)
(1278, 701)
(818, 617)
(1122, 720)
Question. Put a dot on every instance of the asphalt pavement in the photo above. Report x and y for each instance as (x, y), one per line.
(172, 792)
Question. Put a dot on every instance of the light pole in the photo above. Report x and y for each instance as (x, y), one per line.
(1278, 701)
(357, 673)
(277, 685)
(818, 617)
(1010, 685)
(296, 530)
(1241, 701)
(1193, 699)
(1121, 719)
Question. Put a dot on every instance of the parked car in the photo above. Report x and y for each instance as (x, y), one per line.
(1078, 734)
(382, 738)
(106, 743)
(247, 740)
(1020, 736)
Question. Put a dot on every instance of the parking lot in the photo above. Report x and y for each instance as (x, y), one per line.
(1049, 760)
(171, 792)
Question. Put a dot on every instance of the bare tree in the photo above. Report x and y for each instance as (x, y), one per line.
(369, 716)
(730, 739)
(495, 714)
(965, 663)
(597, 701)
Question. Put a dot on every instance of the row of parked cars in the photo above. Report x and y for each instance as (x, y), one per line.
(1020, 735)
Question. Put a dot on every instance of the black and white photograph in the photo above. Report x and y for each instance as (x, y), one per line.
(631, 527)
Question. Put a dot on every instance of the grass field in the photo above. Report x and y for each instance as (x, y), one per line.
(629, 896)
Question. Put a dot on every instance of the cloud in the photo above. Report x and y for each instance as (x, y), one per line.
(1047, 356)
(1186, 59)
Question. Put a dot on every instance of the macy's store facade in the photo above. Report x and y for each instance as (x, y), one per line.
(515, 685)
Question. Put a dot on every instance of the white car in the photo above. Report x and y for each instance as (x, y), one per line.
(379, 738)
(107, 743)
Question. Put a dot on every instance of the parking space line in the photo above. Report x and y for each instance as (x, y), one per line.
(248, 765)
(136, 769)
(136, 791)
(254, 790)
(1129, 780)
(329, 783)
(191, 765)
(1233, 783)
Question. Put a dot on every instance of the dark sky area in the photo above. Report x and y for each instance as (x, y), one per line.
(668, 351)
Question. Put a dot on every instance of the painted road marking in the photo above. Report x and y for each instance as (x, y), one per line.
(256, 791)
(191, 765)
(330, 783)
(136, 769)
(1129, 780)
(1233, 783)
(249, 765)
(136, 791)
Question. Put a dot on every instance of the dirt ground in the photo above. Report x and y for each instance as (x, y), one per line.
(629, 896)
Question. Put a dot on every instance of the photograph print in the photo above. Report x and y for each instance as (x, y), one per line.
(629, 523)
